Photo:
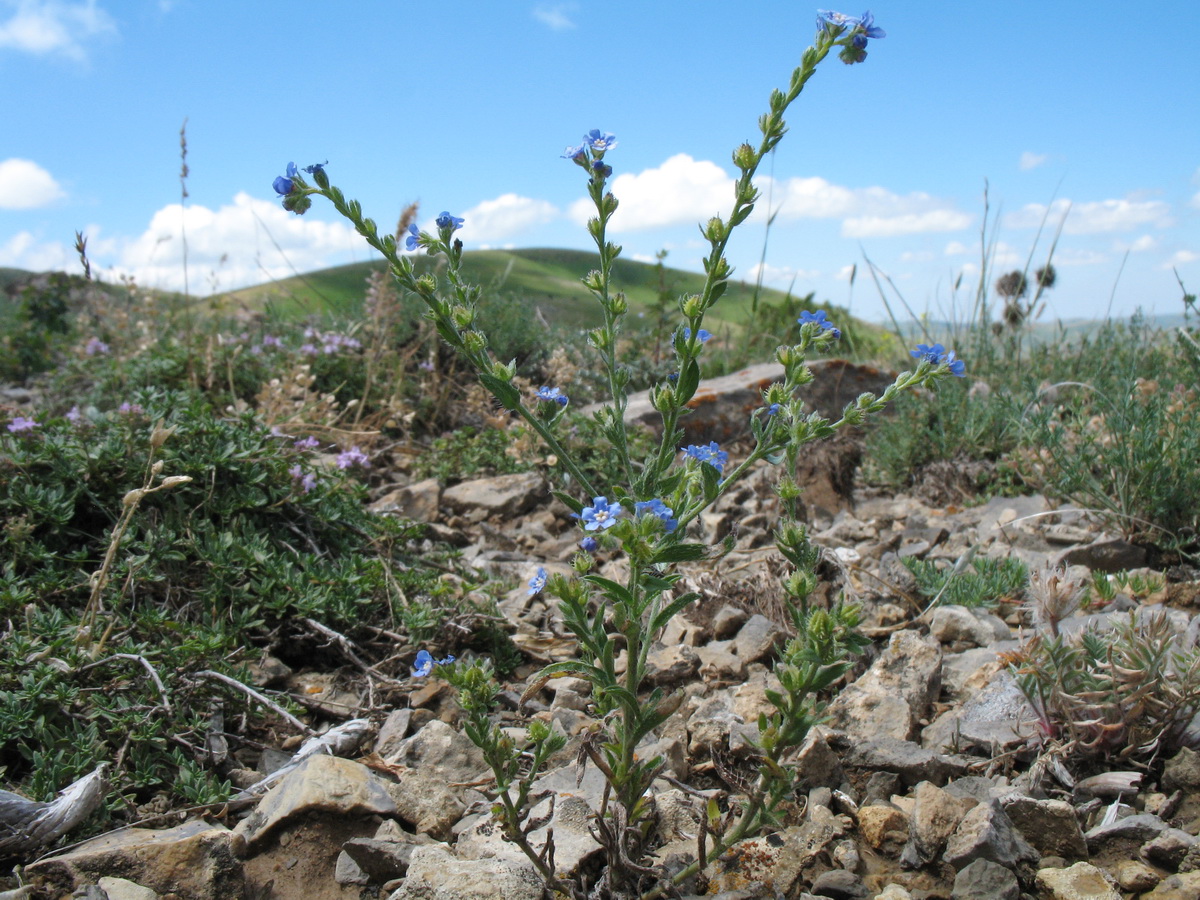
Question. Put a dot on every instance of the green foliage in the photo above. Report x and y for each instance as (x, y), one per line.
(1128, 694)
(470, 453)
(992, 581)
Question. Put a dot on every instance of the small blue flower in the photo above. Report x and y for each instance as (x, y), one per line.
(867, 29)
(282, 185)
(821, 321)
(657, 508)
(316, 167)
(601, 514)
(772, 409)
(589, 544)
(425, 663)
(712, 454)
(601, 168)
(939, 355)
(575, 153)
(552, 395)
(702, 335)
(600, 141)
(538, 582)
(292, 171)
(412, 241)
(445, 220)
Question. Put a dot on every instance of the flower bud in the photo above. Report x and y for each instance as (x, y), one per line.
(618, 304)
(744, 157)
(715, 230)
(691, 306)
(474, 342)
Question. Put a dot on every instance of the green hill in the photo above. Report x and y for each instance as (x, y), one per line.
(550, 279)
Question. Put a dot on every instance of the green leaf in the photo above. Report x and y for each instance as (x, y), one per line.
(509, 396)
(689, 381)
(680, 553)
(665, 614)
(616, 591)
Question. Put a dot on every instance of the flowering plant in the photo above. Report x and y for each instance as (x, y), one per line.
(647, 515)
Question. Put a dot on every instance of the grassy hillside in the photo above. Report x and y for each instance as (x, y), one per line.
(549, 278)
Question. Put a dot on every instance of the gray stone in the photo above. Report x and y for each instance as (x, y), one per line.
(985, 880)
(1111, 555)
(912, 762)
(434, 873)
(347, 871)
(194, 860)
(839, 885)
(1125, 836)
(123, 889)
(757, 638)
(987, 833)
(1182, 771)
(508, 495)
(936, 813)
(420, 501)
(891, 697)
(727, 621)
(1051, 826)
(816, 764)
(380, 860)
(392, 732)
(1168, 848)
(319, 784)
(997, 718)
(672, 665)
(957, 624)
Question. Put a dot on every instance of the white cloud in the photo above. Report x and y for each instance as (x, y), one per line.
(681, 190)
(26, 185)
(507, 215)
(782, 276)
(1032, 160)
(1094, 217)
(1077, 257)
(556, 16)
(684, 190)
(1145, 242)
(53, 26)
(230, 247)
(908, 223)
(1179, 258)
(956, 248)
(23, 251)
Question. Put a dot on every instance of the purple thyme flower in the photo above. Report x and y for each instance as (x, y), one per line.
(538, 582)
(130, 409)
(22, 423)
(308, 443)
(307, 481)
(353, 457)
(601, 514)
(95, 346)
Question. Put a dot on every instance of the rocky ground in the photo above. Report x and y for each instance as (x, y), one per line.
(929, 780)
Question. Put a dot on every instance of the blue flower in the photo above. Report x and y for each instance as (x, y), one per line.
(552, 395)
(601, 168)
(772, 409)
(411, 242)
(445, 220)
(819, 319)
(827, 17)
(282, 185)
(589, 544)
(939, 355)
(712, 454)
(538, 582)
(601, 514)
(657, 508)
(702, 335)
(600, 141)
(316, 167)
(867, 29)
(425, 663)
(292, 171)
(575, 153)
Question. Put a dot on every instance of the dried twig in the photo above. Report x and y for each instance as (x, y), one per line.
(265, 701)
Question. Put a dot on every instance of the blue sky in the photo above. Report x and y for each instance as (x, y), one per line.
(467, 106)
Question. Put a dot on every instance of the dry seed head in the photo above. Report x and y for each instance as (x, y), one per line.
(1052, 596)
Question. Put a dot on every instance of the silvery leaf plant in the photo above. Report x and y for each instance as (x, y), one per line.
(646, 517)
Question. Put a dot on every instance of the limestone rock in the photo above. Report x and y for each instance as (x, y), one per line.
(987, 833)
(892, 696)
(434, 873)
(507, 495)
(935, 816)
(986, 880)
(1050, 826)
(1082, 881)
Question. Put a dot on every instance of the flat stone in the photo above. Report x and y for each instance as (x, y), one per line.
(1082, 881)
(124, 889)
(757, 638)
(420, 501)
(1184, 886)
(1112, 555)
(194, 860)
(434, 873)
(838, 884)
(912, 762)
(321, 783)
(957, 624)
(1050, 826)
(510, 495)
(891, 697)
(985, 880)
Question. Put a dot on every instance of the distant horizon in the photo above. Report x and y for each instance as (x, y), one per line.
(886, 161)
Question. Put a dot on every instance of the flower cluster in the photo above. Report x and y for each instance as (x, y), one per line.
(21, 423)
(659, 509)
(327, 343)
(445, 220)
(711, 454)
(308, 443)
(552, 395)
(601, 514)
(307, 481)
(822, 322)
(861, 29)
(353, 457)
(590, 154)
(939, 356)
(425, 662)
